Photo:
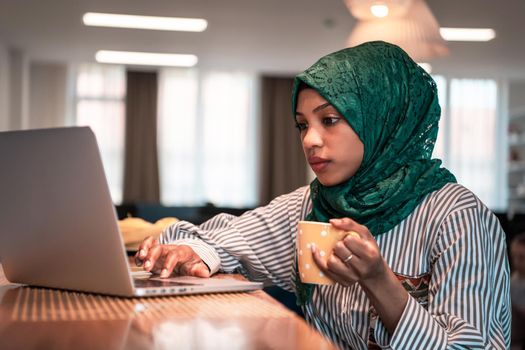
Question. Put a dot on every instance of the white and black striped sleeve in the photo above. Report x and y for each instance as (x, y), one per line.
(259, 244)
(203, 250)
(468, 294)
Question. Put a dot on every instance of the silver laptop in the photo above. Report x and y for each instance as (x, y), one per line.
(58, 225)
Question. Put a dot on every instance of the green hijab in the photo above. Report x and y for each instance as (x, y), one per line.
(392, 105)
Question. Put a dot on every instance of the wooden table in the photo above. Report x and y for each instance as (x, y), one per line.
(39, 318)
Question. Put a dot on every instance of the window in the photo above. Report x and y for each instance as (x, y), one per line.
(207, 143)
(100, 104)
(469, 135)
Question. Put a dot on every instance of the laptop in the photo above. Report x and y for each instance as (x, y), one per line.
(58, 224)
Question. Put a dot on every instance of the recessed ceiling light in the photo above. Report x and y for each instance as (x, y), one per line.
(146, 58)
(379, 10)
(467, 34)
(144, 22)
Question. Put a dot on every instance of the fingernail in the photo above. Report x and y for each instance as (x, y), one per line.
(336, 221)
(313, 248)
(142, 253)
(164, 272)
(147, 264)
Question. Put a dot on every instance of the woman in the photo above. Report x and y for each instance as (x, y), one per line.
(429, 269)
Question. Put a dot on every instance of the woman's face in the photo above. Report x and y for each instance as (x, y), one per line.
(332, 148)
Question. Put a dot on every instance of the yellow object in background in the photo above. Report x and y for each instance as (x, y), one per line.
(135, 230)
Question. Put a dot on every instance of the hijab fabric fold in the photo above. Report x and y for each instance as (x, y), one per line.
(392, 105)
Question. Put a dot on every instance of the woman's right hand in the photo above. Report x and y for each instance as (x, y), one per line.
(170, 259)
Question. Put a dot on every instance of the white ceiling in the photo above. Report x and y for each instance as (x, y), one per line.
(271, 36)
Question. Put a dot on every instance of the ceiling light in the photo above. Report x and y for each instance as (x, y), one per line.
(467, 34)
(373, 9)
(144, 22)
(417, 32)
(146, 58)
(379, 10)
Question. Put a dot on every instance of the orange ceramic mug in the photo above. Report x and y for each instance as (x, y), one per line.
(324, 236)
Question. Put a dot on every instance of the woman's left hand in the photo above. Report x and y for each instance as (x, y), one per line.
(356, 258)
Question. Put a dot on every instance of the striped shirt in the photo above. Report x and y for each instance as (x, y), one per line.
(451, 238)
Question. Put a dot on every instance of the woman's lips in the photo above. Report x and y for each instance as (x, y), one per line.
(318, 164)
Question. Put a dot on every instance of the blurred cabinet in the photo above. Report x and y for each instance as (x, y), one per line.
(516, 165)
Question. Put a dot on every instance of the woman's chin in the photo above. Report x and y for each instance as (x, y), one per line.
(327, 181)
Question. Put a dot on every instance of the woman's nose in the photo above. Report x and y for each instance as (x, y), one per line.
(312, 138)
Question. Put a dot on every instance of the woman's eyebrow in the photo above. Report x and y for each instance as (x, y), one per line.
(323, 106)
(317, 109)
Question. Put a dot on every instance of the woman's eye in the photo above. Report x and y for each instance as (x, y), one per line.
(330, 120)
(301, 126)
